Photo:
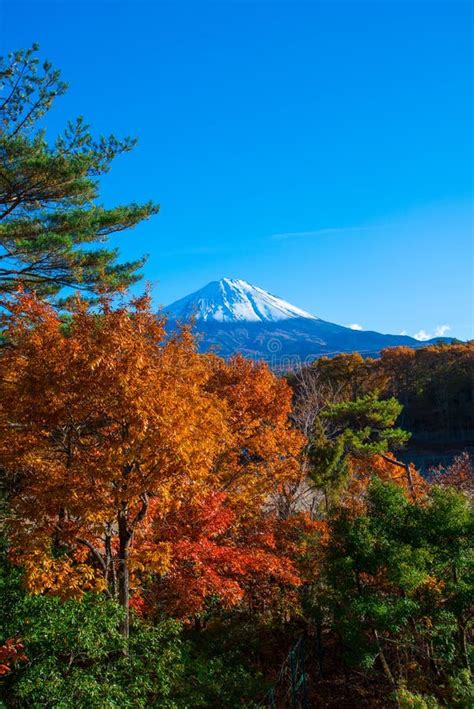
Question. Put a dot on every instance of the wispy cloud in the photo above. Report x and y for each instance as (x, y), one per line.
(423, 335)
(314, 233)
(442, 330)
(355, 326)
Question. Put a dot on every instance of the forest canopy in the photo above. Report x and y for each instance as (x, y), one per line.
(173, 514)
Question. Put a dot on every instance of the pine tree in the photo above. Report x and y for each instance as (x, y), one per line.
(49, 214)
(351, 429)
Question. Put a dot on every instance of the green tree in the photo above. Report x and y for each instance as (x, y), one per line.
(398, 581)
(49, 214)
(75, 652)
(359, 428)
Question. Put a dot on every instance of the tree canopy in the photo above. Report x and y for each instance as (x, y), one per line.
(118, 429)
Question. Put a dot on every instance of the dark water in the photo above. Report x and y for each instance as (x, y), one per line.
(425, 456)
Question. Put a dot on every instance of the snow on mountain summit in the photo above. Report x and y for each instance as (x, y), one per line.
(232, 300)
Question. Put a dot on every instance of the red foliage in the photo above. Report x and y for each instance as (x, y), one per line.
(216, 554)
(11, 651)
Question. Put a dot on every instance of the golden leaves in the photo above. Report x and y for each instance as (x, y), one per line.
(62, 577)
(104, 419)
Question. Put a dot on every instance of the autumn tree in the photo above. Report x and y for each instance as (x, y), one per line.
(350, 374)
(108, 428)
(264, 455)
(222, 540)
(97, 427)
(49, 214)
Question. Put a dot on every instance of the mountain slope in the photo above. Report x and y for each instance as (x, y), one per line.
(234, 300)
(231, 316)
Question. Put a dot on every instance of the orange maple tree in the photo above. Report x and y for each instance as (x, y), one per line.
(108, 428)
(96, 418)
(222, 541)
(265, 448)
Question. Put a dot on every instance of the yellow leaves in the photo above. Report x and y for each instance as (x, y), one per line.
(151, 558)
(62, 577)
(433, 584)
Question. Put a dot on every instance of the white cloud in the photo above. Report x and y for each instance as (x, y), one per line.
(404, 332)
(440, 331)
(422, 335)
(355, 326)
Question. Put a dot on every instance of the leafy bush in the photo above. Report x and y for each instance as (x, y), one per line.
(76, 656)
(409, 700)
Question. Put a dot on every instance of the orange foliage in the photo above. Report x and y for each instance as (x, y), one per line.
(93, 423)
(265, 449)
(116, 437)
(363, 469)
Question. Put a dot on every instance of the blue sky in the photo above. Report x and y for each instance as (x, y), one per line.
(321, 150)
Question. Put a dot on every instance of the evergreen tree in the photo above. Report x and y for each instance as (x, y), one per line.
(49, 214)
(360, 428)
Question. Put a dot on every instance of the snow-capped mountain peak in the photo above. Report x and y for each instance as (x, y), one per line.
(233, 300)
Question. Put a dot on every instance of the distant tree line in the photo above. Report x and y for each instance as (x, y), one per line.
(434, 385)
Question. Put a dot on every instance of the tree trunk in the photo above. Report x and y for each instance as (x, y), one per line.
(464, 645)
(110, 572)
(320, 649)
(125, 536)
(406, 466)
(384, 663)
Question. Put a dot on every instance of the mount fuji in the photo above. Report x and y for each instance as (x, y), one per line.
(232, 316)
(234, 300)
